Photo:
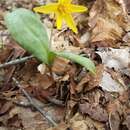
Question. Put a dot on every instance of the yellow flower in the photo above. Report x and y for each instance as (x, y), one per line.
(62, 10)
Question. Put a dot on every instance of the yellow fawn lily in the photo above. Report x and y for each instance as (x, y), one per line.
(62, 10)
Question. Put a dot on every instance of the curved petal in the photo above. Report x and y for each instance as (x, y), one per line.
(59, 19)
(77, 8)
(65, 1)
(50, 8)
(70, 22)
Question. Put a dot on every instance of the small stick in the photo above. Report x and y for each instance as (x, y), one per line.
(16, 61)
(55, 101)
(32, 103)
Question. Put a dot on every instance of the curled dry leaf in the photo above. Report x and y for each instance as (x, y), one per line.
(112, 85)
(71, 109)
(94, 111)
(126, 39)
(60, 65)
(116, 112)
(127, 122)
(42, 81)
(78, 122)
(96, 79)
(90, 81)
(114, 58)
(108, 20)
(114, 121)
(119, 112)
(97, 96)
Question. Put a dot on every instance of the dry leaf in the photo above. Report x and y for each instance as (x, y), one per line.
(61, 126)
(127, 122)
(108, 20)
(30, 120)
(127, 2)
(60, 65)
(4, 53)
(115, 58)
(111, 85)
(5, 107)
(71, 108)
(116, 111)
(84, 38)
(78, 122)
(59, 43)
(126, 38)
(90, 81)
(42, 81)
(114, 121)
(95, 111)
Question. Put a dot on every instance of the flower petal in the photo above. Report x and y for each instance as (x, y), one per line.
(59, 19)
(70, 22)
(77, 8)
(65, 1)
(50, 8)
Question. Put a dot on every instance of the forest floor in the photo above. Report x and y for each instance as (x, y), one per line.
(71, 96)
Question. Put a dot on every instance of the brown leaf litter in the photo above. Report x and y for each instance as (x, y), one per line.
(73, 97)
(108, 21)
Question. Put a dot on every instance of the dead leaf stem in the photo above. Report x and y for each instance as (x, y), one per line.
(16, 61)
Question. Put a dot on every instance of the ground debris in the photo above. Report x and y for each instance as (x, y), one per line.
(94, 111)
(75, 98)
(113, 14)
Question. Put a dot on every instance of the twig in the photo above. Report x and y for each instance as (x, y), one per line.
(32, 103)
(28, 105)
(55, 101)
(16, 61)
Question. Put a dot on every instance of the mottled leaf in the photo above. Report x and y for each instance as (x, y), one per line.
(27, 29)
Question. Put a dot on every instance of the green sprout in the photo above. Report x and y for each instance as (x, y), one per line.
(27, 29)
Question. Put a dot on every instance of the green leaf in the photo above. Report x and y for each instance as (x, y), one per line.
(27, 29)
(87, 63)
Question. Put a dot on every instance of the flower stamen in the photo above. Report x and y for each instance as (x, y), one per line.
(62, 9)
